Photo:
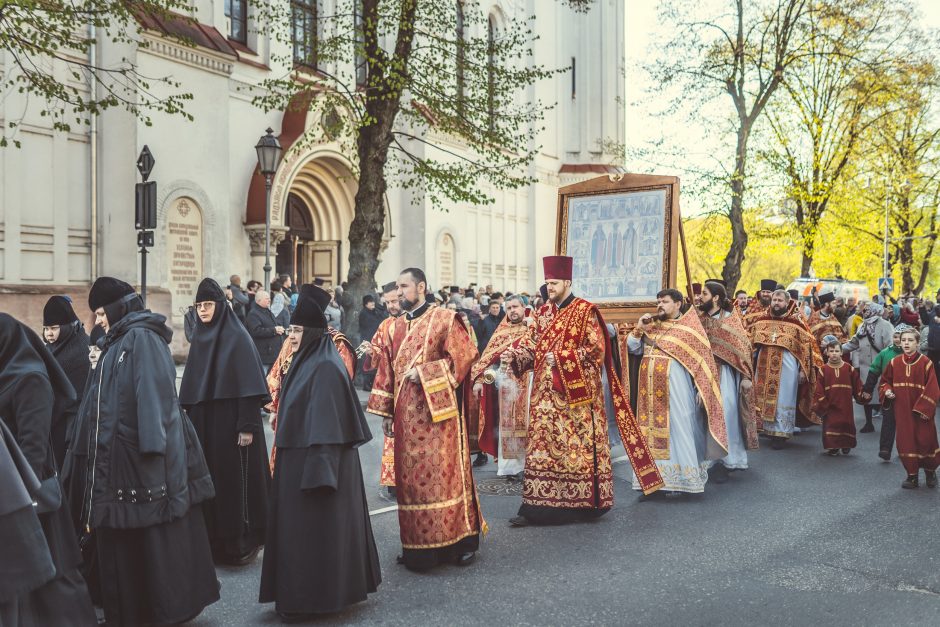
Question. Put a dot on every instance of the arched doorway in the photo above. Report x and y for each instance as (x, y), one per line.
(293, 253)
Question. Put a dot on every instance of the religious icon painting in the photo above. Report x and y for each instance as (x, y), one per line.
(622, 231)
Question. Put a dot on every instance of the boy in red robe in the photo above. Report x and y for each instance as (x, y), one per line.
(836, 387)
(909, 383)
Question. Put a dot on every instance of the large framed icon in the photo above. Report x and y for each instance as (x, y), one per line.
(623, 233)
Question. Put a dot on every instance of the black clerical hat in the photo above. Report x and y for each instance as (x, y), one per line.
(318, 294)
(209, 289)
(828, 297)
(768, 285)
(58, 311)
(318, 281)
(794, 294)
(107, 290)
(97, 332)
(308, 313)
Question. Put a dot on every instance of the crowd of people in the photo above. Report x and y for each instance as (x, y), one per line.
(120, 491)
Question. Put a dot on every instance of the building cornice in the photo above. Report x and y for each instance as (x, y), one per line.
(193, 56)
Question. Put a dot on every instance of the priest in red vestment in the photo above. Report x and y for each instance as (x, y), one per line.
(761, 304)
(823, 321)
(415, 391)
(836, 387)
(909, 383)
(504, 397)
(282, 364)
(567, 467)
(374, 351)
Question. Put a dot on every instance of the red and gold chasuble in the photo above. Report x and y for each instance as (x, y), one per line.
(820, 327)
(381, 349)
(567, 460)
(914, 383)
(731, 344)
(437, 501)
(773, 335)
(500, 405)
(282, 364)
(685, 341)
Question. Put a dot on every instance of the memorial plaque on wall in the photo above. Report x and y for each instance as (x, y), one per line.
(623, 234)
(184, 253)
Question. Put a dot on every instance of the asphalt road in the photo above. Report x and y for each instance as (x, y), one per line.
(800, 538)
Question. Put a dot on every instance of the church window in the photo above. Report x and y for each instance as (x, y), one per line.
(304, 32)
(236, 11)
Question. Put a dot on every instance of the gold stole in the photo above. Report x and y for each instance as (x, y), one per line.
(437, 382)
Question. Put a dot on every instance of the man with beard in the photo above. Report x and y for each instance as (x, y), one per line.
(415, 392)
(740, 302)
(33, 391)
(504, 400)
(568, 475)
(787, 362)
(871, 337)
(762, 304)
(320, 554)
(147, 475)
(66, 339)
(374, 351)
(823, 322)
(731, 347)
(675, 384)
(222, 390)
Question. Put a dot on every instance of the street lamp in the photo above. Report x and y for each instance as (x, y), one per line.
(269, 157)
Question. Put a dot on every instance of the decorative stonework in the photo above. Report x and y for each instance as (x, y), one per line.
(256, 238)
(195, 56)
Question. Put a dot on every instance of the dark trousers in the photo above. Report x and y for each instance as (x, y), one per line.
(887, 430)
(869, 413)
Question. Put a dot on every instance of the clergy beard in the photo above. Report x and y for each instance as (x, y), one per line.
(407, 305)
(662, 316)
(765, 302)
(778, 311)
(706, 308)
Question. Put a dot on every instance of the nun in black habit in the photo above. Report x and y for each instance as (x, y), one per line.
(33, 392)
(223, 389)
(147, 476)
(66, 338)
(319, 554)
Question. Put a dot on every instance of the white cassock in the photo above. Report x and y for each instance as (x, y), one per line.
(785, 418)
(686, 469)
(506, 467)
(730, 384)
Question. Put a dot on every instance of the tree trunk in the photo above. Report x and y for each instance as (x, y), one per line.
(731, 272)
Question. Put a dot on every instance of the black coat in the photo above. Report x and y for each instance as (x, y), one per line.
(147, 467)
(71, 351)
(260, 325)
(485, 330)
(369, 321)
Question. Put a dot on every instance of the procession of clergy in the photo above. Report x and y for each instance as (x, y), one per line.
(117, 491)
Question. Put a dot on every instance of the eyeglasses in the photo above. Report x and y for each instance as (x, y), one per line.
(205, 306)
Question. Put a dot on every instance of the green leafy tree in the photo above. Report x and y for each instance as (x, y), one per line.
(48, 49)
(433, 94)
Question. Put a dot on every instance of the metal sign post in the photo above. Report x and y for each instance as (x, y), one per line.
(145, 213)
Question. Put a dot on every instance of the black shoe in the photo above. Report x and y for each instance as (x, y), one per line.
(846, 451)
(481, 460)
(465, 559)
(910, 483)
(868, 428)
(718, 473)
(832, 452)
(400, 559)
(519, 521)
(293, 618)
(777, 443)
(885, 455)
(931, 476)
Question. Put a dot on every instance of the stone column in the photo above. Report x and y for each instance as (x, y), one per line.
(256, 239)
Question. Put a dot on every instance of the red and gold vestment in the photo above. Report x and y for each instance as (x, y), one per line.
(820, 327)
(914, 383)
(381, 349)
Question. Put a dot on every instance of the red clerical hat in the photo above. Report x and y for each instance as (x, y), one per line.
(557, 267)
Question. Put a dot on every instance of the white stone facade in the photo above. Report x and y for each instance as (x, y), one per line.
(67, 211)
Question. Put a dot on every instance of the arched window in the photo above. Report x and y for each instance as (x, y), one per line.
(446, 253)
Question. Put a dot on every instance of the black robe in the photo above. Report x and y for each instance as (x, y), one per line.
(223, 388)
(71, 352)
(33, 390)
(320, 553)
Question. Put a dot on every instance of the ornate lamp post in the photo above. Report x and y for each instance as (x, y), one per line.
(269, 157)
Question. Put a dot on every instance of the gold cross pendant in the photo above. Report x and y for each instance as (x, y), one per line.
(773, 338)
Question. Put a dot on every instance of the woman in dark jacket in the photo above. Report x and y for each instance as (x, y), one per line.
(68, 342)
(146, 472)
(222, 390)
(33, 391)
